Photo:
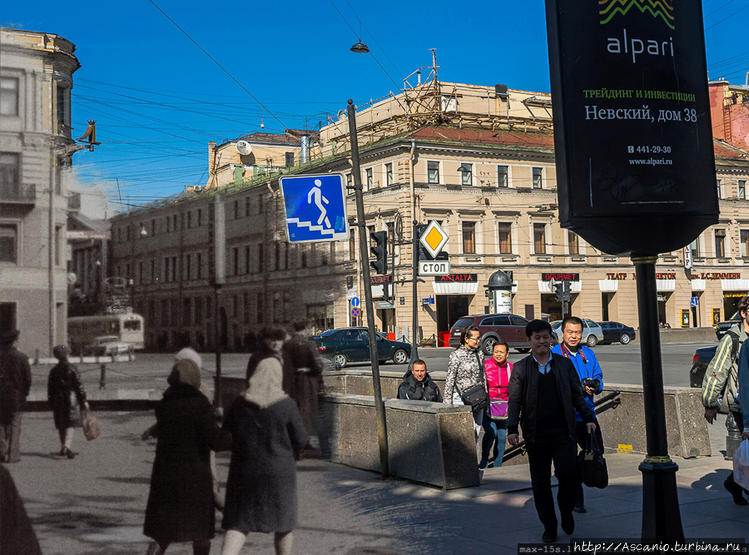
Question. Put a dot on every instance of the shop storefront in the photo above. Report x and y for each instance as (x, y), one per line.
(453, 294)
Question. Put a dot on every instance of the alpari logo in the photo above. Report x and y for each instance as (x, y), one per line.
(658, 9)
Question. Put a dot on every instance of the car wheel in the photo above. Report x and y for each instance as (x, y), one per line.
(488, 345)
(339, 359)
(400, 356)
(592, 340)
(624, 339)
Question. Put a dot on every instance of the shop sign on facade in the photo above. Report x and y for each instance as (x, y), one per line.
(560, 276)
(458, 277)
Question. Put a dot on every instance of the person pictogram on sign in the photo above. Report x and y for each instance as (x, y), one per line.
(316, 193)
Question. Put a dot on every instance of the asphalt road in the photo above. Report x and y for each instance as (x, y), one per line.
(620, 364)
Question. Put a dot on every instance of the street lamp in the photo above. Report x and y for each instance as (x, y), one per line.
(360, 48)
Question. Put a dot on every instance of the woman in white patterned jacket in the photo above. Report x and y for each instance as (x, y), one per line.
(465, 368)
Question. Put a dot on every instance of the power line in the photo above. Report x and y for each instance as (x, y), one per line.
(727, 17)
(361, 23)
(215, 61)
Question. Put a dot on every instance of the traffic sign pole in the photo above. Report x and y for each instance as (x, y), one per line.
(414, 294)
(364, 255)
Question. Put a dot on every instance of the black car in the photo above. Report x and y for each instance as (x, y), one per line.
(616, 331)
(352, 345)
(722, 327)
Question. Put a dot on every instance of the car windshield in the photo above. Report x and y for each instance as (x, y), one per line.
(328, 333)
(463, 322)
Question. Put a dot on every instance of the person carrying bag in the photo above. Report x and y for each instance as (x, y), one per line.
(592, 465)
(465, 383)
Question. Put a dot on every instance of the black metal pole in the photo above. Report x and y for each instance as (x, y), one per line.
(364, 256)
(661, 519)
(415, 294)
(217, 347)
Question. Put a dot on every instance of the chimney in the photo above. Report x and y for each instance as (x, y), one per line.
(211, 165)
(305, 148)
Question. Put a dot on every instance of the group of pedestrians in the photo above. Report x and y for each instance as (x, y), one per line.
(265, 429)
(549, 393)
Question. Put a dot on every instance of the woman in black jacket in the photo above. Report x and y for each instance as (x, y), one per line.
(418, 386)
(180, 504)
(64, 385)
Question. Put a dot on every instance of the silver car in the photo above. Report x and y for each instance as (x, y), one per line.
(592, 332)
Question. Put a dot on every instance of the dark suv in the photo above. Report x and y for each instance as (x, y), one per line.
(509, 328)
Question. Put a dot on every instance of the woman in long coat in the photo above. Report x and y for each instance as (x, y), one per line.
(267, 436)
(63, 384)
(180, 504)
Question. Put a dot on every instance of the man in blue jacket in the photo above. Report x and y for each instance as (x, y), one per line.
(591, 377)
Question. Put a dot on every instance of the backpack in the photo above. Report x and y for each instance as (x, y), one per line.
(735, 345)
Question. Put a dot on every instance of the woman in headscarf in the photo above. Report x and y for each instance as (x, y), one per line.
(63, 387)
(267, 436)
(180, 504)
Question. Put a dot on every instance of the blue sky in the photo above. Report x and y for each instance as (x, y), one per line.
(158, 99)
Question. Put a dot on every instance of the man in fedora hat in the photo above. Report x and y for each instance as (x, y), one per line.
(15, 382)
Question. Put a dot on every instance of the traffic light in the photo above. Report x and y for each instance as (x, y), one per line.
(379, 251)
(562, 290)
(558, 292)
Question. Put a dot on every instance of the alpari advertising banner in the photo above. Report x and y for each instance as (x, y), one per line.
(634, 149)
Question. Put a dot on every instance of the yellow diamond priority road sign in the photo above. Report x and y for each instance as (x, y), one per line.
(433, 239)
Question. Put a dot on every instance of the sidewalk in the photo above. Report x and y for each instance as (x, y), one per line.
(95, 503)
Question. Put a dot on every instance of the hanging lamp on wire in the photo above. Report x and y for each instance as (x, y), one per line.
(360, 47)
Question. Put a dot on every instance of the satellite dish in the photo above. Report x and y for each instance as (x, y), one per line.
(244, 148)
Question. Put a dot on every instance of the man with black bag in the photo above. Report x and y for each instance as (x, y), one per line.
(465, 383)
(587, 367)
(545, 391)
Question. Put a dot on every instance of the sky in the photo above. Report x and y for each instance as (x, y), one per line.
(158, 99)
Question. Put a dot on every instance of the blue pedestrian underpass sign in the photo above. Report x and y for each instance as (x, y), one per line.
(315, 207)
(694, 302)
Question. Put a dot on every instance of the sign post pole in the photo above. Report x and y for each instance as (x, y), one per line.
(364, 256)
(414, 295)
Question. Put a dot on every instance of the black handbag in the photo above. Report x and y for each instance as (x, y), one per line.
(592, 465)
(475, 396)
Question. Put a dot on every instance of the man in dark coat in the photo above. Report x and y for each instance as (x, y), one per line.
(418, 386)
(302, 379)
(545, 390)
(15, 383)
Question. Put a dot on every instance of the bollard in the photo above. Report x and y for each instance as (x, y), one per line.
(733, 437)
(103, 376)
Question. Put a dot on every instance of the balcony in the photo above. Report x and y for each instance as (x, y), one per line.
(18, 193)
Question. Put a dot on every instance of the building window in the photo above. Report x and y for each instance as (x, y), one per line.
(200, 217)
(466, 174)
(369, 178)
(63, 109)
(259, 308)
(744, 243)
(235, 256)
(720, 243)
(9, 172)
(742, 189)
(168, 224)
(720, 188)
(247, 206)
(503, 176)
(8, 96)
(694, 246)
(289, 158)
(260, 204)
(277, 257)
(153, 228)
(236, 209)
(186, 312)
(189, 220)
(8, 243)
(469, 237)
(538, 174)
(246, 308)
(433, 172)
(539, 238)
(199, 264)
(167, 277)
(285, 249)
(572, 244)
(234, 306)
(260, 265)
(389, 173)
(247, 259)
(199, 311)
(505, 238)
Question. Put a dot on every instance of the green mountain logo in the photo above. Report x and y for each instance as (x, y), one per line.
(657, 9)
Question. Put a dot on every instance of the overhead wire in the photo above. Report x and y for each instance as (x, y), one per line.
(215, 61)
(726, 18)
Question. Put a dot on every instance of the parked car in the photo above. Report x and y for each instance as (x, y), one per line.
(509, 328)
(592, 332)
(701, 359)
(616, 331)
(722, 327)
(107, 345)
(346, 345)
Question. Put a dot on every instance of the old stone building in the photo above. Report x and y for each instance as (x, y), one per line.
(480, 161)
(36, 77)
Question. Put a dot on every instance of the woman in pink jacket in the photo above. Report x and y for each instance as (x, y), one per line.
(498, 372)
